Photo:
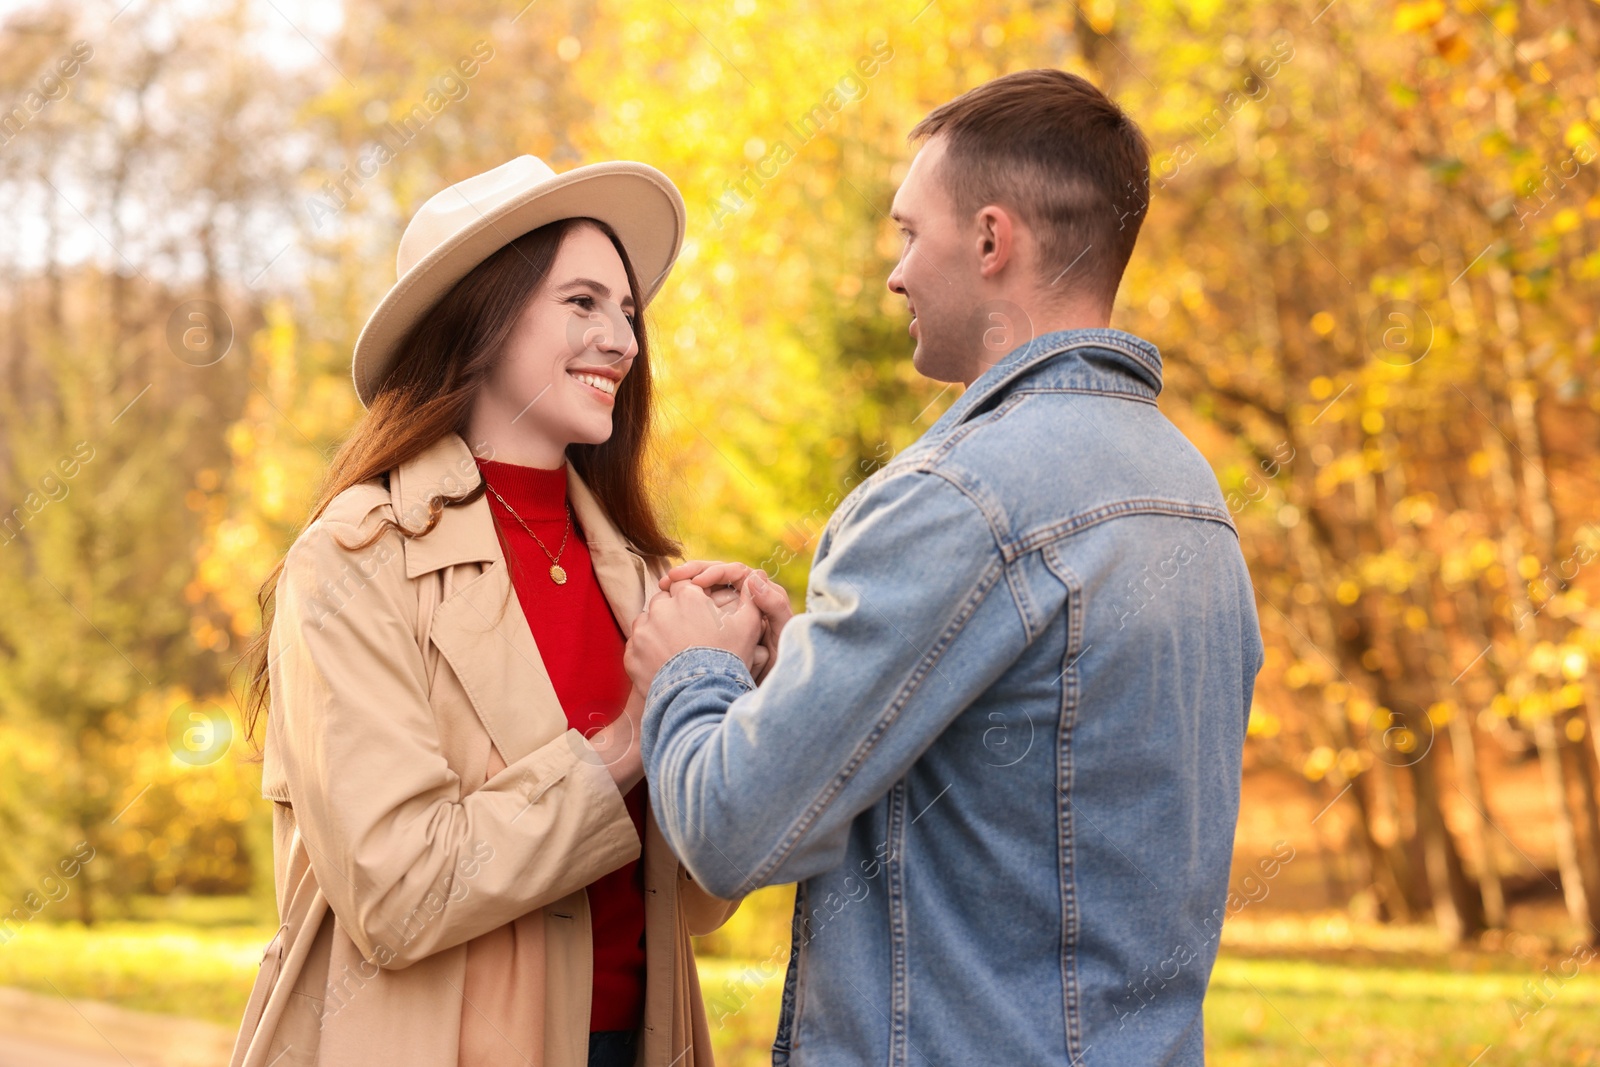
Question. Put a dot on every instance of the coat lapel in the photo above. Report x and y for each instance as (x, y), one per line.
(623, 575)
(483, 634)
(480, 628)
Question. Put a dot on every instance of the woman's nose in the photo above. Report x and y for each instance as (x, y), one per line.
(618, 336)
(604, 329)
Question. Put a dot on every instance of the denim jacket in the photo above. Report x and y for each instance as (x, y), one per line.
(1000, 750)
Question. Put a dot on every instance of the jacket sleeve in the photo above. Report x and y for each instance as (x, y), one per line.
(703, 912)
(409, 865)
(754, 787)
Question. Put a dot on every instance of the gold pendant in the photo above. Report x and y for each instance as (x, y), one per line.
(558, 575)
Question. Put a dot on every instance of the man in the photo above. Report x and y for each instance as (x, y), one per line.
(1000, 751)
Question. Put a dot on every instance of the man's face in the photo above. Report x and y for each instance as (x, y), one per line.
(937, 272)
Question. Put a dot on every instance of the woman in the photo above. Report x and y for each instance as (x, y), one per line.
(466, 868)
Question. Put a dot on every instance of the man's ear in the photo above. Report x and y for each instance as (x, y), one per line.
(996, 239)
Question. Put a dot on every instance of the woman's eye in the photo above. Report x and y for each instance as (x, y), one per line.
(588, 304)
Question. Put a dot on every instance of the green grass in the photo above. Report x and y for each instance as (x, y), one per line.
(1266, 1012)
(1273, 1012)
(1295, 990)
(174, 968)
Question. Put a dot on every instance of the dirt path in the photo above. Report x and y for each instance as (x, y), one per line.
(49, 1030)
(31, 1052)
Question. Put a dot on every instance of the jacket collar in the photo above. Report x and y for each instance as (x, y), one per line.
(466, 534)
(1092, 360)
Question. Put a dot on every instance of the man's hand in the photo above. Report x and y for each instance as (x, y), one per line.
(685, 617)
(767, 595)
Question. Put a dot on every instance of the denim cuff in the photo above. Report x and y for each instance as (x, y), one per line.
(702, 659)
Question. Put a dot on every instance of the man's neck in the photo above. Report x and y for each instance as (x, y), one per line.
(1043, 320)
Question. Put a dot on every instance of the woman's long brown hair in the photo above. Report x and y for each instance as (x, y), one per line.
(441, 365)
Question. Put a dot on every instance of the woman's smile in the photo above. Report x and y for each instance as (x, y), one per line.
(598, 384)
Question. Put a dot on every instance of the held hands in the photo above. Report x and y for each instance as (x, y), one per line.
(717, 605)
(725, 581)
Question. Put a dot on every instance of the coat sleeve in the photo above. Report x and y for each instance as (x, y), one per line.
(702, 911)
(409, 865)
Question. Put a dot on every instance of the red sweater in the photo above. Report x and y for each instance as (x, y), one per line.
(581, 646)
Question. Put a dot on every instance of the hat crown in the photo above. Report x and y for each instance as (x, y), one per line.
(457, 207)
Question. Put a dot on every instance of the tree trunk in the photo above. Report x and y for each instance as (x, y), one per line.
(1465, 749)
(1456, 907)
(1589, 823)
(1581, 907)
(1522, 392)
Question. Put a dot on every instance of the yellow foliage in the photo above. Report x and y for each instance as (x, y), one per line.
(1318, 763)
(1574, 662)
(1263, 723)
(1414, 17)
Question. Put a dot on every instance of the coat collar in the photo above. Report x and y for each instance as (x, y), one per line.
(466, 534)
(480, 627)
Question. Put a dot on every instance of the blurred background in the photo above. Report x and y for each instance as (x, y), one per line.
(1370, 264)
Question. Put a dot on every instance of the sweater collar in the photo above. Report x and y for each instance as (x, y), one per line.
(533, 492)
(466, 534)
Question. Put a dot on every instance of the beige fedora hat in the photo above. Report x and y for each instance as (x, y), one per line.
(464, 224)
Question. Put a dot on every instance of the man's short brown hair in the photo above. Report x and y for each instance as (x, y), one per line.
(1054, 149)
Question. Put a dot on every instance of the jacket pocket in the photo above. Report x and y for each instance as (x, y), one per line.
(266, 980)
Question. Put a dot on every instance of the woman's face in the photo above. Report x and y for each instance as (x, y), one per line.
(566, 357)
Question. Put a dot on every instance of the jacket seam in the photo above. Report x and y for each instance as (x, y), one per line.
(972, 423)
(1115, 394)
(786, 1041)
(853, 499)
(991, 511)
(1017, 582)
(900, 975)
(676, 670)
(1056, 531)
(1066, 828)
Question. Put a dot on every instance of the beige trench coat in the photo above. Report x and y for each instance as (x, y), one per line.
(393, 669)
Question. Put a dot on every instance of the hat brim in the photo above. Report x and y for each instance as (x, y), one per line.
(637, 201)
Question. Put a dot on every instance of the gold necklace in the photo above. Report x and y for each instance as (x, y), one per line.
(557, 574)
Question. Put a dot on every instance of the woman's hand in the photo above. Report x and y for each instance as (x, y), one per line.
(767, 595)
(617, 744)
